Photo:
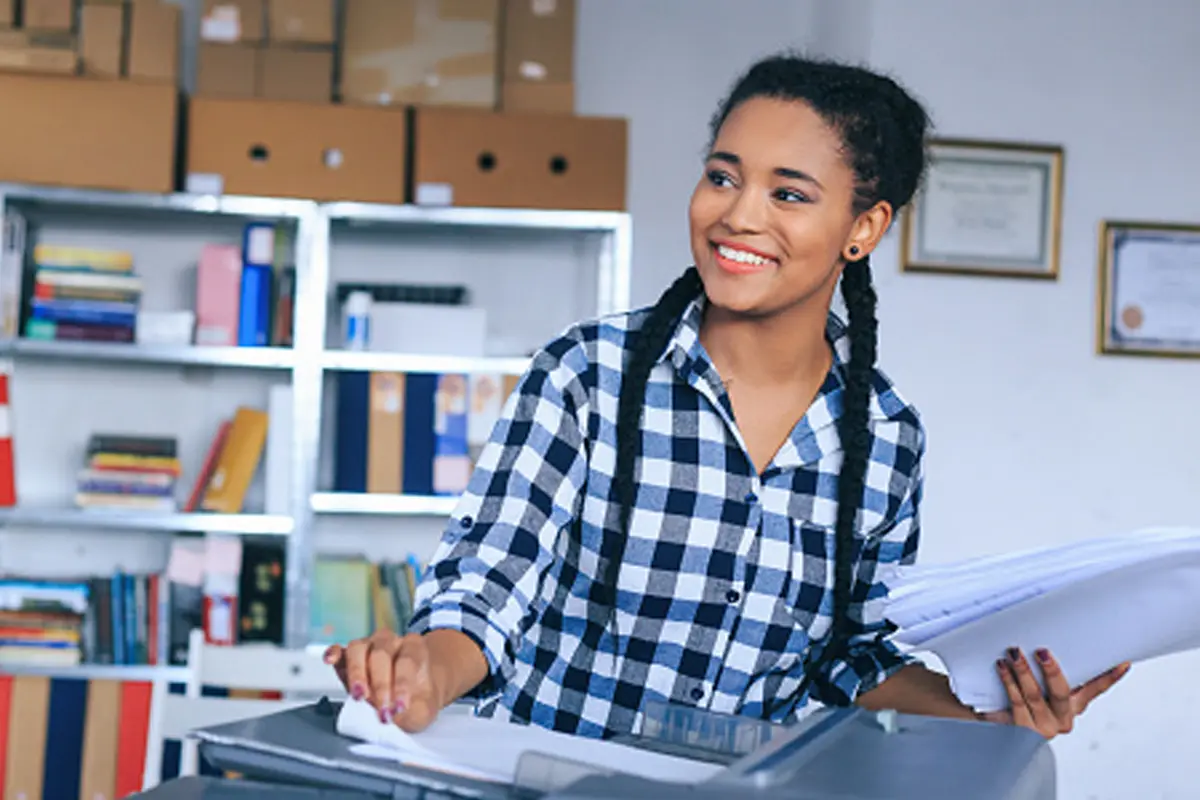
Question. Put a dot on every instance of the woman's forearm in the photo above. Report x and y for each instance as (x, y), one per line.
(917, 690)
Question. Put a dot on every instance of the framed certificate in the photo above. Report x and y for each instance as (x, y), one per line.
(987, 208)
(1149, 286)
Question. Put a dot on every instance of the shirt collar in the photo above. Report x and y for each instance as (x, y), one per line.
(809, 439)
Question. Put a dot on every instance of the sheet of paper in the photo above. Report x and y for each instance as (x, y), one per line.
(1093, 604)
(491, 749)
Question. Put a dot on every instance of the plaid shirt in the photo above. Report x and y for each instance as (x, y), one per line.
(726, 587)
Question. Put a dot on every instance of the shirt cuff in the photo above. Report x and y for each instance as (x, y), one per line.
(866, 666)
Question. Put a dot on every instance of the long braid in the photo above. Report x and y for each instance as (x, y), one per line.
(652, 337)
(855, 434)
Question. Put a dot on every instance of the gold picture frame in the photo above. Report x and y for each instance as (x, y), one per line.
(1148, 289)
(989, 209)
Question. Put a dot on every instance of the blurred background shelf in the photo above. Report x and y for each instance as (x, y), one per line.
(183, 355)
(399, 505)
(122, 519)
(113, 672)
(359, 361)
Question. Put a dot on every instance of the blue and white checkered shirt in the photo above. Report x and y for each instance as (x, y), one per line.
(726, 587)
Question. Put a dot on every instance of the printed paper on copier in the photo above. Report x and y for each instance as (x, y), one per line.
(491, 749)
(1094, 604)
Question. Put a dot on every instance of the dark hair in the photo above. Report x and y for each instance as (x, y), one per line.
(883, 131)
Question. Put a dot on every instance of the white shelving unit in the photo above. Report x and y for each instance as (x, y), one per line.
(309, 361)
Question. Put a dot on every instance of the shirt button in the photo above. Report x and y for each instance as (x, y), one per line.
(751, 497)
(733, 595)
(697, 693)
(466, 522)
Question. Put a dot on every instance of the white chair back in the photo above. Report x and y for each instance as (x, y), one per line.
(299, 675)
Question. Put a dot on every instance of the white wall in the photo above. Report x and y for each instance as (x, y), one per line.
(1033, 438)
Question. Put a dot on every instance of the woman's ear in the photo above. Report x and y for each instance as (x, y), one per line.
(867, 230)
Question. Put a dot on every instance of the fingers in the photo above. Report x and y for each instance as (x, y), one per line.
(335, 656)
(1021, 714)
(1097, 686)
(379, 667)
(1043, 719)
(392, 674)
(414, 704)
(355, 660)
(1058, 690)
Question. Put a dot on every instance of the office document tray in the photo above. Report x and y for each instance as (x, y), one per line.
(848, 754)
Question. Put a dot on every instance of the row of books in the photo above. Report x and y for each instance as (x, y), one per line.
(79, 293)
(122, 471)
(352, 597)
(413, 433)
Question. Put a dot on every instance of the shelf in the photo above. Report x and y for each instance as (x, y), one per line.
(182, 355)
(450, 216)
(358, 361)
(114, 672)
(399, 505)
(226, 205)
(120, 518)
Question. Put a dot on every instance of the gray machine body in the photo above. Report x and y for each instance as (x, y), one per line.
(842, 754)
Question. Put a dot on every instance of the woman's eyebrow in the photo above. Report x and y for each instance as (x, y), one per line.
(784, 172)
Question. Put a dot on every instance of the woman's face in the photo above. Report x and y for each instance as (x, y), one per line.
(773, 212)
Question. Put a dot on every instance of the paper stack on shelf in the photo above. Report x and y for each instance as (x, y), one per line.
(1094, 604)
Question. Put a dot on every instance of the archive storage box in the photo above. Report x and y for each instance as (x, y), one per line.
(94, 134)
(466, 157)
(301, 150)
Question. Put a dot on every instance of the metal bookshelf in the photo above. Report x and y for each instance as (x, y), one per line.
(308, 361)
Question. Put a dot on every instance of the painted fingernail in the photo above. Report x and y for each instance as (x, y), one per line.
(358, 692)
(398, 707)
(1001, 664)
(1043, 655)
(383, 714)
(1013, 654)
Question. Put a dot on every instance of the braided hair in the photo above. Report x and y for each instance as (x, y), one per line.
(883, 133)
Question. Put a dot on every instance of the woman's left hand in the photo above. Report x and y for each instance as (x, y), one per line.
(1055, 711)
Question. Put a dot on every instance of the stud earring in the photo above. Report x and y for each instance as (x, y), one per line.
(853, 250)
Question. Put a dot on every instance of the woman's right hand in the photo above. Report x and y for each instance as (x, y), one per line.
(393, 674)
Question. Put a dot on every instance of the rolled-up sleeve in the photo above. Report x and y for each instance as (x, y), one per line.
(869, 657)
(486, 573)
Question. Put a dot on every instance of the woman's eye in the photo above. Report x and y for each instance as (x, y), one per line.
(791, 196)
(718, 178)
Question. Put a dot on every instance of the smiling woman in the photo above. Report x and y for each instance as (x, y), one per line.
(697, 502)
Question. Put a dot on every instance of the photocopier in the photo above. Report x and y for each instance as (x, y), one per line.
(835, 753)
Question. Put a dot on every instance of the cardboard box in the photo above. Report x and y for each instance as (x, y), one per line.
(154, 33)
(539, 41)
(315, 151)
(88, 133)
(466, 157)
(540, 98)
(49, 15)
(227, 70)
(102, 38)
(229, 21)
(422, 52)
(304, 76)
(538, 46)
(39, 60)
(300, 21)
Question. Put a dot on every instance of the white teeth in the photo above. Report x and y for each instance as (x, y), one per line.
(741, 256)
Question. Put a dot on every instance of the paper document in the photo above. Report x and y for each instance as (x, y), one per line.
(1093, 604)
(491, 749)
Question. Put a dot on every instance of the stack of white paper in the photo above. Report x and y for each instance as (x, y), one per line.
(490, 749)
(1093, 604)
